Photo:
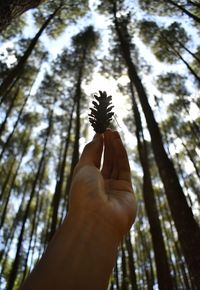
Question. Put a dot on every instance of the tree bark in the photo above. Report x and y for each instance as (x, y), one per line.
(162, 266)
(124, 285)
(8, 112)
(7, 179)
(182, 214)
(18, 69)
(13, 272)
(11, 9)
(7, 142)
(188, 13)
(181, 58)
(131, 262)
(11, 186)
(35, 221)
(194, 3)
(189, 51)
(59, 184)
(77, 98)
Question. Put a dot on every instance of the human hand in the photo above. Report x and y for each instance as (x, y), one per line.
(106, 195)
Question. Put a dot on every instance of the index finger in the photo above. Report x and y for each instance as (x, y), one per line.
(91, 154)
(124, 172)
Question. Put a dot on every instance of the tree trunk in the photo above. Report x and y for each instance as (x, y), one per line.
(194, 3)
(18, 69)
(124, 285)
(11, 9)
(8, 175)
(147, 267)
(132, 269)
(168, 42)
(11, 186)
(59, 184)
(162, 266)
(193, 16)
(14, 269)
(7, 142)
(8, 112)
(116, 276)
(34, 223)
(170, 235)
(75, 155)
(189, 51)
(9, 237)
(182, 214)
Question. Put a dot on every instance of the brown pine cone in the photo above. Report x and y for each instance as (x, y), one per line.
(101, 115)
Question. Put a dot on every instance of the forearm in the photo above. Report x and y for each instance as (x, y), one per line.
(80, 256)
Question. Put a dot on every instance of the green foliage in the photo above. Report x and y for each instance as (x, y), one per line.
(164, 41)
(14, 29)
(172, 83)
(69, 12)
(159, 7)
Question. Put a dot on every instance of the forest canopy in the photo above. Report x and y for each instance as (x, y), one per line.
(54, 56)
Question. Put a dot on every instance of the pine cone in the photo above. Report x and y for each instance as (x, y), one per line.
(101, 114)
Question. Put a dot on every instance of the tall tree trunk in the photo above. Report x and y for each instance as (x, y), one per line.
(194, 3)
(8, 176)
(189, 154)
(13, 273)
(8, 112)
(116, 275)
(124, 285)
(18, 69)
(59, 184)
(147, 267)
(10, 235)
(34, 223)
(182, 214)
(75, 155)
(181, 58)
(7, 142)
(182, 266)
(170, 235)
(131, 262)
(162, 266)
(11, 9)
(11, 186)
(189, 51)
(191, 15)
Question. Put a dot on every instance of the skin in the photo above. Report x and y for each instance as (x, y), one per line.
(102, 209)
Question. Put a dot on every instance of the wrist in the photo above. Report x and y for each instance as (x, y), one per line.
(92, 222)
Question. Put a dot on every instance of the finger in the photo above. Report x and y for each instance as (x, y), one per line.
(92, 152)
(115, 168)
(121, 157)
(108, 155)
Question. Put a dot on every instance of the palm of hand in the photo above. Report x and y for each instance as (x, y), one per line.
(108, 193)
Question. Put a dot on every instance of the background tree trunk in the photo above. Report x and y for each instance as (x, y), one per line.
(182, 214)
(10, 9)
(18, 69)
